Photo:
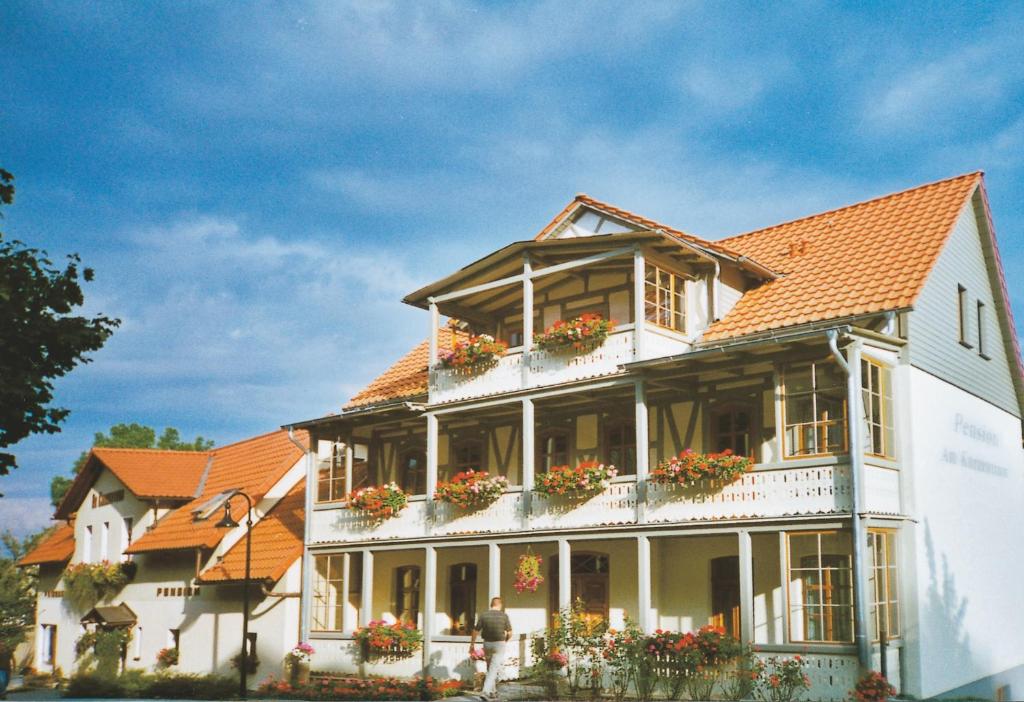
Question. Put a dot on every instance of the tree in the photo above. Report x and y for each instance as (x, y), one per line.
(40, 337)
(17, 590)
(128, 436)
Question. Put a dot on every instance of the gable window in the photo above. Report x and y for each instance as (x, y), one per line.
(981, 330)
(407, 594)
(412, 471)
(876, 388)
(462, 597)
(468, 454)
(552, 449)
(732, 428)
(814, 408)
(820, 587)
(961, 314)
(882, 583)
(665, 298)
(620, 446)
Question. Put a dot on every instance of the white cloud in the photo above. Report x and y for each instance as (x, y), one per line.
(726, 86)
(25, 515)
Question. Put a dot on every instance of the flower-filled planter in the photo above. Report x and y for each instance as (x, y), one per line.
(527, 576)
(297, 663)
(85, 584)
(471, 489)
(379, 502)
(690, 467)
(581, 333)
(475, 353)
(166, 657)
(398, 640)
(584, 481)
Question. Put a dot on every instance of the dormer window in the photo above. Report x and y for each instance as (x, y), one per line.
(665, 298)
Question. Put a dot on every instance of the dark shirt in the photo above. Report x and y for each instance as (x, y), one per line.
(493, 625)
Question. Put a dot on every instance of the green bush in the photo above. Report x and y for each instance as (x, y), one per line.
(92, 685)
(136, 684)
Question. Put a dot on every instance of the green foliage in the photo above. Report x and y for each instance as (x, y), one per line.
(349, 688)
(85, 584)
(104, 648)
(17, 591)
(135, 684)
(128, 436)
(40, 337)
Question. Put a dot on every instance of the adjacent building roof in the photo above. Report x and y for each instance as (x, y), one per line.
(58, 547)
(111, 615)
(253, 465)
(276, 543)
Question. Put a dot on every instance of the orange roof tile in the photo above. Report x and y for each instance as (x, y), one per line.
(254, 465)
(869, 257)
(58, 547)
(276, 543)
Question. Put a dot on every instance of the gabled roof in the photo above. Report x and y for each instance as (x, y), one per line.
(870, 257)
(146, 473)
(253, 465)
(58, 547)
(276, 543)
(110, 615)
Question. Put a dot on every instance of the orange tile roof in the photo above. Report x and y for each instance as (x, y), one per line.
(58, 547)
(869, 257)
(276, 543)
(254, 465)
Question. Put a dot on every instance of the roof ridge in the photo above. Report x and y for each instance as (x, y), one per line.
(878, 198)
(151, 450)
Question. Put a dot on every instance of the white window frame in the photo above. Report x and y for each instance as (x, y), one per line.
(326, 593)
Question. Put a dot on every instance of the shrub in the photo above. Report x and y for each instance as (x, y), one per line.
(581, 333)
(379, 638)
(585, 480)
(476, 353)
(344, 688)
(873, 687)
(252, 662)
(783, 679)
(690, 467)
(92, 685)
(166, 657)
(471, 489)
(133, 684)
(85, 584)
(107, 645)
(380, 502)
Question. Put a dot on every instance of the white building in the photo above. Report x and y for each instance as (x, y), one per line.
(893, 311)
(140, 505)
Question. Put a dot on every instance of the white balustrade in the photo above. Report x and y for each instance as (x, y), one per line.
(452, 384)
(341, 524)
(832, 676)
(450, 659)
(616, 505)
(505, 514)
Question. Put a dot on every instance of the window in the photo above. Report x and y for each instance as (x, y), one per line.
(331, 477)
(725, 594)
(876, 389)
(48, 644)
(87, 545)
(665, 298)
(552, 449)
(137, 644)
(820, 587)
(105, 541)
(814, 404)
(327, 589)
(981, 330)
(407, 594)
(885, 611)
(961, 314)
(731, 428)
(462, 597)
(620, 446)
(412, 471)
(468, 454)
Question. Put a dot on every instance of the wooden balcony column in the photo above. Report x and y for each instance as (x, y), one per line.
(529, 428)
(746, 586)
(643, 571)
(564, 575)
(435, 322)
(429, 604)
(366, 597)
(639, 273)
(643, 450)
(527, 317)
(347, 624)
(493, 572)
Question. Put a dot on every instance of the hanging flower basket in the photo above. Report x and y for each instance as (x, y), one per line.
(584, 481)
(581, 333)
(471, 489)
(527, 575)
(380, 501)
(399, 640)
(475, 353)
(690, 467)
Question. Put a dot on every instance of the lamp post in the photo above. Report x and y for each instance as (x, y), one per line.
(224, 499)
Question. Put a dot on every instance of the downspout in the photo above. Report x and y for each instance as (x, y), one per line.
(851, 368)
(716, 283)
(307, 559)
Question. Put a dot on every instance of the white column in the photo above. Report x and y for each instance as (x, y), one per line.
(746, 587)
(429, 603)
(493, 572)
(349, 458)
(435, 322)
(784, 584)
(639, 271)
(564, 574)
(643, 447)
(527, 318)
(432, 430)
(366, 605)
(306, 602)
(643, 571)
(346, 573)
(528, 445)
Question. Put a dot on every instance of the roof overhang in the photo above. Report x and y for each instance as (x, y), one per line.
(393, 409)
(115, 616)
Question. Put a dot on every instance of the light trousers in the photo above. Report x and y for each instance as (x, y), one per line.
(494, 651)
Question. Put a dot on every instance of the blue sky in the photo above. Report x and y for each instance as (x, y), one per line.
(257, 185)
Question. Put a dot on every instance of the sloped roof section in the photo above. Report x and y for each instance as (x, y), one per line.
(253, 465)
(58, 547)
(276, 544)
(869, 257)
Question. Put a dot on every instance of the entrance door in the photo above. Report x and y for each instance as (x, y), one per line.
(725, 594)
(588, 584)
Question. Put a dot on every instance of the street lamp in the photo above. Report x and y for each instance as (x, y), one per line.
(207, 510)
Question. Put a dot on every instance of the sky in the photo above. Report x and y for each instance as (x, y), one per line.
(257, 185)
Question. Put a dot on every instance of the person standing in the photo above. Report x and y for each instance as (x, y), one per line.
(496, 630)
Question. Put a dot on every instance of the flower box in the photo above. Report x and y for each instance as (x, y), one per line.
(379, 502)
(581, 333)
(396, 640)
(584, 481)
(475, 353)
(471, 489)
(690, 468)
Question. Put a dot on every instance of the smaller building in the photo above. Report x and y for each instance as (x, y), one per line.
(140, 508)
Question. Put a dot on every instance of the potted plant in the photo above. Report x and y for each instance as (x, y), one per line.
(584, 481)
(297, 662)
(475, 353)
(691, 467)
(379, 502)
(527, 575)
(583, 333)
(166, 657)
(380, 638)
(471, 489)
